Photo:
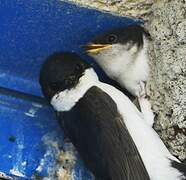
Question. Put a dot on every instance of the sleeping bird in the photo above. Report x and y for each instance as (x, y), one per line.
(112, 137)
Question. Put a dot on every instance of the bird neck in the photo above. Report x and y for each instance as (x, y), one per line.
(65, 100)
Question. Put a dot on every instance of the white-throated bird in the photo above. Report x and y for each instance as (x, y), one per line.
(107, 130)
(122, 54)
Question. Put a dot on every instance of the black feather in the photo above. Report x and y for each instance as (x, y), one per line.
(98, 132)
(123, 35)
(181, 167)
(61, 71)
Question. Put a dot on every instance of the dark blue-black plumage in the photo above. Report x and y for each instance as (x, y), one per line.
(93, 124)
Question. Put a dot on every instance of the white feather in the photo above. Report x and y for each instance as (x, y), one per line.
(152, 150)
(65, 100)
(126, 64)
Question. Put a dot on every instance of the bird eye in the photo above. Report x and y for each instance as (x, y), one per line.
(66, 81)
(112, 38)
(78, 67)
(54, 86)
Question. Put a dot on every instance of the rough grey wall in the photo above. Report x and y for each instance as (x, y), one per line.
(133, 8)
(167, 85)
(166, 22)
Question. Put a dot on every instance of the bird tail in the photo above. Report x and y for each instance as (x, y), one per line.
(180, 166)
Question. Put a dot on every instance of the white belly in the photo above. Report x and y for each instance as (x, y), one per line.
(152, 150)
(126, 71)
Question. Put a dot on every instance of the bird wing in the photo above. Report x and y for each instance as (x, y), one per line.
(98, 132)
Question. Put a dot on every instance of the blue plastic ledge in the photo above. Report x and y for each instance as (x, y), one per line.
(30, 31)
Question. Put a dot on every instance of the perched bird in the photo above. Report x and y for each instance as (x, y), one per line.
(122, 54)
(90, 119)
(108, 131)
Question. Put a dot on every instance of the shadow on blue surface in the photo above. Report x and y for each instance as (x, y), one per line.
(30, 31)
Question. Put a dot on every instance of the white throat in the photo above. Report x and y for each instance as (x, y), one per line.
(65, 100)
(126, 66)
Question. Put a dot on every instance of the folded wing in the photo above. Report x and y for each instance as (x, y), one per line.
(98, 132)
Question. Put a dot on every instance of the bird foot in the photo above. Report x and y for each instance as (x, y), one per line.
(142, 92)
(146, 110)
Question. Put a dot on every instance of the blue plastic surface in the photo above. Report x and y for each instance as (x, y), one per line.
(30, 137)
(23, 124)
(30, 31)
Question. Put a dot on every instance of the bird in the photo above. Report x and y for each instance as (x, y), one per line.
(122, 54)
(113, 139)
(90, 119)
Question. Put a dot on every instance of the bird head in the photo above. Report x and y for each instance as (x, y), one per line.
(116, 42)
(61, 71)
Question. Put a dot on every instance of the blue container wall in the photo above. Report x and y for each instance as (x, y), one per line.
(30, 31)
